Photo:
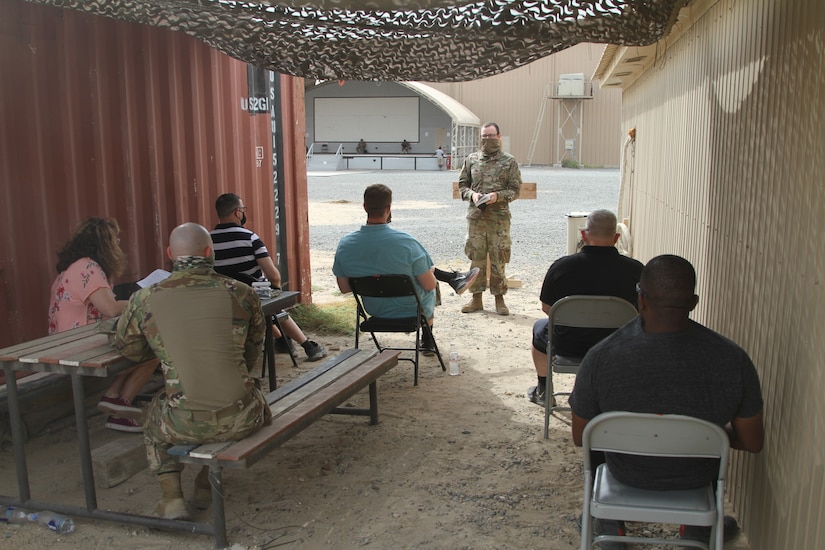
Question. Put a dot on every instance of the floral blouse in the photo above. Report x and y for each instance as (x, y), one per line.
(70, 305)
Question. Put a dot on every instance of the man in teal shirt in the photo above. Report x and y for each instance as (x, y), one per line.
(376, 248)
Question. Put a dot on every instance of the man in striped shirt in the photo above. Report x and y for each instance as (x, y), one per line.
(242, 255)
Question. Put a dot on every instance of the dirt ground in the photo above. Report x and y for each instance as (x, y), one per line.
(457, 462)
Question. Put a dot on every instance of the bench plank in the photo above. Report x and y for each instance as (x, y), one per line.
(33, 347)
(90, 358)
(318, 383)
(295, 384)
(67, 349)
(210, 450)
(246, 452)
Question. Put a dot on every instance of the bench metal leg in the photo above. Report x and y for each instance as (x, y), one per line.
(218, 512)
(372, 412)
(16, 422)
(269, 354)
(84, 445)
(374, 403)
(89, 509)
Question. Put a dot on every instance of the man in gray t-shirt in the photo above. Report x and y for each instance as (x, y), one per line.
(664, 363)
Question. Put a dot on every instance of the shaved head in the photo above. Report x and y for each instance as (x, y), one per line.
(601, 224)
(669, 281)
(189, 239)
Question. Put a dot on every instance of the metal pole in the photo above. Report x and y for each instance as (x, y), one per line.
(278, 183)
(581, 122)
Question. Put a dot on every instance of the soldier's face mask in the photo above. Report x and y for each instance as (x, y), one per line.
(490, 145)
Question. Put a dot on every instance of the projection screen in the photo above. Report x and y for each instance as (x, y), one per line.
(373, 119)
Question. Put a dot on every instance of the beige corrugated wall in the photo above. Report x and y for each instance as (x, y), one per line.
(513, 99)
(729, 162)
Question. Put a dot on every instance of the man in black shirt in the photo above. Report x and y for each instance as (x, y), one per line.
(598, 269)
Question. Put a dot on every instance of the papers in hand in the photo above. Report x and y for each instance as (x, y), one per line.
(153, 278)
(482, 201)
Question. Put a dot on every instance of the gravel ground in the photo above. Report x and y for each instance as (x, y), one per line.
(539, 227)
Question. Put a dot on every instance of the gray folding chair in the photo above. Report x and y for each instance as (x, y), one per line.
(579, 311)
(669, 435)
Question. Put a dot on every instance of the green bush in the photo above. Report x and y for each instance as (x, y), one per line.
(569, 163)
(336, 319)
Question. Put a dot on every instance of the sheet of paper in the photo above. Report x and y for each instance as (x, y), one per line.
(484, 199)
(154, 277)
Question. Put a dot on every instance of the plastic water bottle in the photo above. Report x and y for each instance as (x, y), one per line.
(454, 366)
(55, 522)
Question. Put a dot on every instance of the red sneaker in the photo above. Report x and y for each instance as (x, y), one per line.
(117, 406)
(124, 425)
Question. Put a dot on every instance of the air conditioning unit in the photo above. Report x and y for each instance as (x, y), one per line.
(571, 85)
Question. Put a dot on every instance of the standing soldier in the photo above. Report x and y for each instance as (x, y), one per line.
(490, 179)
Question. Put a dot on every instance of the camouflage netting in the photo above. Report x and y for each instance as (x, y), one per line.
(390, 40)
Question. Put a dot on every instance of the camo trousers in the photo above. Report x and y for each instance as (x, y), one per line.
(488, 238)
(167, 426)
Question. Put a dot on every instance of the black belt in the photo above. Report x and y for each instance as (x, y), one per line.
(219, 414)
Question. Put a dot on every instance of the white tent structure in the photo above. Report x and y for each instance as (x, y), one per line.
(464, 132)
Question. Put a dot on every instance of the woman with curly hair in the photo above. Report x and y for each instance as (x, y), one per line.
(82, 294)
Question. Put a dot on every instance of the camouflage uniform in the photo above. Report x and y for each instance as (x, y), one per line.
(208, 331)
(488, 230)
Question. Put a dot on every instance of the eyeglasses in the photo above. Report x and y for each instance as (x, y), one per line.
(488, 136)
(639, 290)
(242, 208)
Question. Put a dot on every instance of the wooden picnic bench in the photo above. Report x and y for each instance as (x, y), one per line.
(65, 356)
(85, 352)
(294, 406)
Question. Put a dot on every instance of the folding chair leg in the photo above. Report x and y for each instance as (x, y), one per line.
(549, 398)
(435, 347)
(548, 395)
(375, 341)
(277, 322)
(417, 350)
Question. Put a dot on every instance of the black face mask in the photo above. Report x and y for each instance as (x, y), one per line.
(243, 219)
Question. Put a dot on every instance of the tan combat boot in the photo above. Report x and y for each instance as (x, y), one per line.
(203, 490)
(171, 505)
(501, 307)
(474, 304)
